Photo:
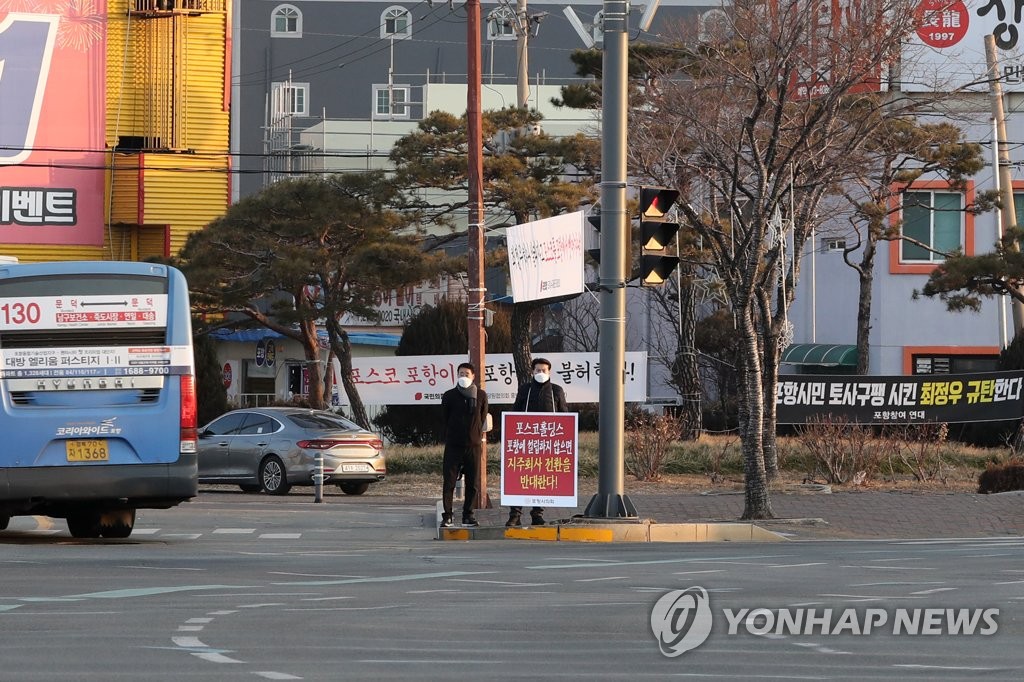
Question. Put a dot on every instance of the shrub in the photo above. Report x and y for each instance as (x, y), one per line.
(918, 448)
(840, 451)
(648, 438)
(1001, 478)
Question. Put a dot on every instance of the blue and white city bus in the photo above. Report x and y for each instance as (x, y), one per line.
(98, 386)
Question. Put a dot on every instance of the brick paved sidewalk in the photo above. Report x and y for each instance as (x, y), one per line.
(837, 515)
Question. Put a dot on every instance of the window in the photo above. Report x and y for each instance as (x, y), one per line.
(955, 364)
(286, 22)
(290, 99)
(391, 102)
(396, 22)
(832, 244)
(501, 24)
(259, 424)
(932, 219)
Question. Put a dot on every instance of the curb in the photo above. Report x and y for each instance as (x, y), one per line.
(644, 530)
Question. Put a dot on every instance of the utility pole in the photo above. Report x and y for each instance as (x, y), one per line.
(522, 43)
(475, 232)
(610, 500)
(1008, 214)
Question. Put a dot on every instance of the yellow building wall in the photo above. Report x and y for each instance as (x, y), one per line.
(166, 99)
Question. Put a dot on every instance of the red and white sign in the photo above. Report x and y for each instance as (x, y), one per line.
(64, 312)
(539, 458)
(942, 23)
(947, 51)
(52, 104)
(226, 375)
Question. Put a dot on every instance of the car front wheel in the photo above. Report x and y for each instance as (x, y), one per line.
(273, 477)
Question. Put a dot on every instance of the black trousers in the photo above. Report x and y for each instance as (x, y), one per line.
(519, 510)
(456, 460)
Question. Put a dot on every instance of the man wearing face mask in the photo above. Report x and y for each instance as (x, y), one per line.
(465, 416)
(537, 395)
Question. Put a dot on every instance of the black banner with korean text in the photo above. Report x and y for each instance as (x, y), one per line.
(926, 398)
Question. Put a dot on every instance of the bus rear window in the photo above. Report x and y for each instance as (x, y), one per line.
(82, 285)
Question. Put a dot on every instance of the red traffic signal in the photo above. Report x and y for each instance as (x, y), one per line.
(655, 202)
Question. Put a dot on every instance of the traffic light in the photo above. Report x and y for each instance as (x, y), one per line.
(656, 233)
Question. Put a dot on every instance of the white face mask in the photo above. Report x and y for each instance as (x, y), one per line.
(465, 382)
(541, 377)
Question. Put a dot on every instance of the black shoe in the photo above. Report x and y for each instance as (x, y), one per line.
(470, 521)
(513, 521)
(537, 519)
(446, 521)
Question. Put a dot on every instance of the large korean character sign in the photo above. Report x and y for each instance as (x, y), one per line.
(52, 122)
(539, 458)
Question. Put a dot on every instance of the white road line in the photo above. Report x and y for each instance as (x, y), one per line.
(313, 575)
(354, 608)
(145, 531)
(934, 590)
(387, 578)
(502, 582)
(652, 562)
(816, 563)
(1011, 582)
(898, 582)
(942, 667)
(276, 676)
(866, 597)
(715, 570)
(325, 598)
(190, 628)
(197, 621)
(188, 643)
(611, 577)
(234, 531)
(226, 612)
(183, 536)
(893, 568)
(215, 657)
(280, 536)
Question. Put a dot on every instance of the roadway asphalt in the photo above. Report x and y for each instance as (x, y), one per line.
(812, 514)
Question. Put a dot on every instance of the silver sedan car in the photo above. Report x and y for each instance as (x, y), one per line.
(274, 448)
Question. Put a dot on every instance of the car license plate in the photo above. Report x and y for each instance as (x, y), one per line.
(354, 467)
(87, 450)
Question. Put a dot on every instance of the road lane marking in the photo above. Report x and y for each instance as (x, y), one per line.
(280, 536)
(270, 675)
(233, 531)
(388, 578)
(934, 590)
(611, 577)
(652, 562)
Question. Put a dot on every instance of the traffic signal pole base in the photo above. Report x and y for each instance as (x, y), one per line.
(610, 506)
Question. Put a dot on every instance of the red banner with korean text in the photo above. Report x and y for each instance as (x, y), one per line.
(539, 458)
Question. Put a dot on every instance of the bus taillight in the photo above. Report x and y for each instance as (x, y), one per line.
(188, 413)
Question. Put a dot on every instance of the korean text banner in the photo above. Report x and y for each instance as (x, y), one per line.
(422, 379)
(948, 398)
(545, 257)
(52, 113)
(539, 458)
(947, 52)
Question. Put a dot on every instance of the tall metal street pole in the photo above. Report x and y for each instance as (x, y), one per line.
(1009, 212)
(610, 500)
(475, 233)
(522, 55)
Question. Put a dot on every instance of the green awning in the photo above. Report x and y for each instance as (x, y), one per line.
(821, 355)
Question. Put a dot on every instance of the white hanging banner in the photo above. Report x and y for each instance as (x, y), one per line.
(422, 379)
(545, 257)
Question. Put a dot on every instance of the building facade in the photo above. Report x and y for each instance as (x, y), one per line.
(114, 120)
